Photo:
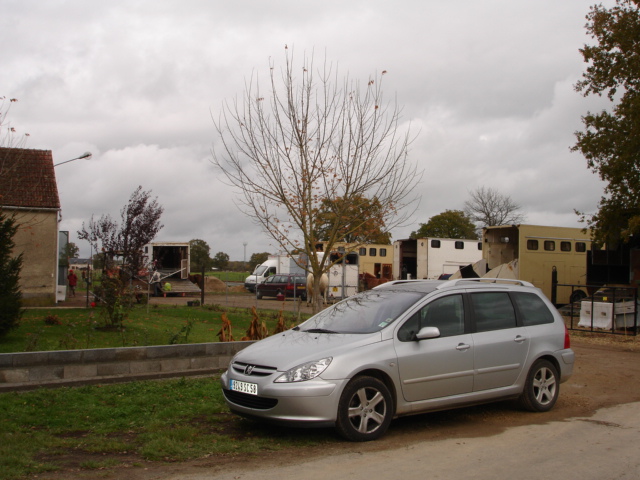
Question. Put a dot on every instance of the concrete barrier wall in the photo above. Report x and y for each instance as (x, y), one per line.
(30, 370)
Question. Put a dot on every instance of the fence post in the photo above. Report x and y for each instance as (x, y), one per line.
(554, 286)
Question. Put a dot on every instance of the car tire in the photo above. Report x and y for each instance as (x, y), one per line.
(258, 295)
(577, 296)
(541, 388)
(365, 410)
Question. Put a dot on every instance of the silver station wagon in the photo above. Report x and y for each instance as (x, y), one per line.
(403, 348)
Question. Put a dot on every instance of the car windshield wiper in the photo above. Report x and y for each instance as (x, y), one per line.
(319, 330)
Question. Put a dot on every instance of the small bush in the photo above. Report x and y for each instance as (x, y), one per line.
(10, 296)
(52, 320)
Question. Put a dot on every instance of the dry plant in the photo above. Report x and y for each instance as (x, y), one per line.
(280, 326)
(257, 330)
(225, 334)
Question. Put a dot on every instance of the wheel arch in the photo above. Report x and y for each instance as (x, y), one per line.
(552, 359)
(384, 378)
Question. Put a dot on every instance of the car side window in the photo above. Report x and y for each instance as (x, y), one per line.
(493, 311)
(532, 309)
(446, 313)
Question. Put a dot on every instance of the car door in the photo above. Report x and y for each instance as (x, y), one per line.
(500, 345)
(268, 288)
(435, 367)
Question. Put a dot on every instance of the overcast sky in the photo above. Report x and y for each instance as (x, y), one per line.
(487, 86)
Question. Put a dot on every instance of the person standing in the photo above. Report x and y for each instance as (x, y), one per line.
(73, 281)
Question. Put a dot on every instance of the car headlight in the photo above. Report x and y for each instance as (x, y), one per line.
(303, 372)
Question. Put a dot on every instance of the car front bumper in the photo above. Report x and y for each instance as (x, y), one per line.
(313, 402)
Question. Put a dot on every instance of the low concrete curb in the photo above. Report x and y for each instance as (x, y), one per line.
(31, 370)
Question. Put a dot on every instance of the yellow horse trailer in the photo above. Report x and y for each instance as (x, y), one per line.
(532, 252)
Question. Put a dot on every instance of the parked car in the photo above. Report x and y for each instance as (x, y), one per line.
(289, 285)
(402, 348)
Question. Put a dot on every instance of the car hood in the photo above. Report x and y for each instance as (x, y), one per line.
(292, 348)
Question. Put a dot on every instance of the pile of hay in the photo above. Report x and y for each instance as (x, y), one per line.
(214, 284)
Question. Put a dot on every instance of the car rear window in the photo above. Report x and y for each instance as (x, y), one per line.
(493, 311)
(532, 309)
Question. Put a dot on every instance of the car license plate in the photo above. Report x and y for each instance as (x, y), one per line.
(244, 387)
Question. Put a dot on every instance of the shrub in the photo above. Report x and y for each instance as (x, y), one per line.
(10, 296)
(52, 320)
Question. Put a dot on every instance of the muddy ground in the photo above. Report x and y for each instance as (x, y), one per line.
(607, 373)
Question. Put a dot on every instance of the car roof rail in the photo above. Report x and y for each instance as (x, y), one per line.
(455, 281)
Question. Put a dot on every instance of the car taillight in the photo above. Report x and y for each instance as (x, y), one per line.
(289, 286)
(567, 339)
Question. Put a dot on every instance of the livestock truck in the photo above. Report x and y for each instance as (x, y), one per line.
(433, 258)
(533, 253)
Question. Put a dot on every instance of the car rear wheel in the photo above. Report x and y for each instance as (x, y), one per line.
(541, 388)
(365, 410)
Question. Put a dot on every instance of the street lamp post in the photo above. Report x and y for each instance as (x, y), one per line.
(86, 155)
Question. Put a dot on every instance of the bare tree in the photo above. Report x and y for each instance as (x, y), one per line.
(310, 138)
(488, 207)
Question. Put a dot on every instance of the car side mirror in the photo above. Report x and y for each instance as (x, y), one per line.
(428, 332)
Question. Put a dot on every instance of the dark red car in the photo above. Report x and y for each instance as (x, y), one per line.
(291, 285)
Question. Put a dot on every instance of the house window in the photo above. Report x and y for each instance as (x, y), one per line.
(363, 252)
(383, 252)
(532, 244)
(581, 247)
(435, 243)
(479, 245)
(565, 246)
(549, 245)
(459, 245)
(372, 252)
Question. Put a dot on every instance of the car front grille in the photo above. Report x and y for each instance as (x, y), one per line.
(252, 370)
(249, 401)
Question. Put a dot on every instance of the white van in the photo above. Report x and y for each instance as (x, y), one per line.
(274, 264)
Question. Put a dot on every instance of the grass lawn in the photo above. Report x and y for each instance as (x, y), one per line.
(229, 276)
(129, 425)
(70, 329)
(106, 426)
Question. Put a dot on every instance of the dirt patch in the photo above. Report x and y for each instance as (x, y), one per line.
(605, 374)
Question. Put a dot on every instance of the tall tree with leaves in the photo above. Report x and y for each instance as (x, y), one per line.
(311, 137)
(611, 139)
(10, 296)
(258, 259)
(448, 224)
(200, 255)
(221, 260)
(140, 223)
(362, 221)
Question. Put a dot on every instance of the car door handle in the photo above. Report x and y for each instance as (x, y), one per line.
(519, 339)
(463, 346)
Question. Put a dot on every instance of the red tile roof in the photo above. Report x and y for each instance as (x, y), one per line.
(27, 179)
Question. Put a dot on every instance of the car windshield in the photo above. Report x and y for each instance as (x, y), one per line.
(259, 270)
(367, 312)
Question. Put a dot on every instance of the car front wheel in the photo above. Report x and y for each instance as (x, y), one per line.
(541, 388)
(365, 410)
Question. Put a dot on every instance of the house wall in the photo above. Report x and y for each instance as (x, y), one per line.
(37, 240)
